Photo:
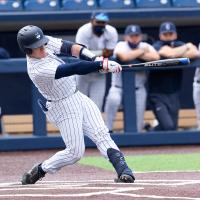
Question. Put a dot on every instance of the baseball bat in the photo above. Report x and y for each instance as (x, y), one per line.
(160, 63)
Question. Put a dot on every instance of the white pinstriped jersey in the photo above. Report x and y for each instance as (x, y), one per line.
(42, 73)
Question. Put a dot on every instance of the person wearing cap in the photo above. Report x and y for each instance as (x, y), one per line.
(101, 38)
(165, 85)
(72, 112)
(131, 50)
(196, 93)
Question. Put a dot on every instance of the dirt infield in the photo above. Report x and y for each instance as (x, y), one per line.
(82, 182)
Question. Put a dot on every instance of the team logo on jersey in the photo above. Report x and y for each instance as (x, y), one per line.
(38, 36)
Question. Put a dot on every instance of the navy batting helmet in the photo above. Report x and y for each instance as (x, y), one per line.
(31, 37)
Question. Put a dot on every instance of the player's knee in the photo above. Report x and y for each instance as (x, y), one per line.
(74, 154)
(114, 95)
(114, 99)
(102, 135)
(77, 153)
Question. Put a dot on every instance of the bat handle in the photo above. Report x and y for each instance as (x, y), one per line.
(184, 61)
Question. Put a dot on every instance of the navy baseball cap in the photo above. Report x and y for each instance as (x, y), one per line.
(100, 16)
(167, 27)
(133, 30)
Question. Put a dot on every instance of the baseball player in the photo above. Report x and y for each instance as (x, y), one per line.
(165, 86)
(129, 51)
(100, 38)
(196, 94)
(66, 107)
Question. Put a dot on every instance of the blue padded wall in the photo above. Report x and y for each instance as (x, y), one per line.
(116, 4)
(11, 5)
(45, 5)
(79, 4)
(186, 3)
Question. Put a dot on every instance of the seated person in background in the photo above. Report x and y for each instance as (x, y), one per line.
(100, 38)
(132, 49)
(4, 53)
(165, 85)
(196, 94)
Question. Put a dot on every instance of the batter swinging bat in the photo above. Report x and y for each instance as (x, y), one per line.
(160, 63)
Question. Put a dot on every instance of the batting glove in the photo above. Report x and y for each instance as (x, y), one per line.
(109, 66)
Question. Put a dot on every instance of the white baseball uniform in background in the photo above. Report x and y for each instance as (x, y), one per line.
(70, 110)
(196, 93)
(94, 84)
(114, 97)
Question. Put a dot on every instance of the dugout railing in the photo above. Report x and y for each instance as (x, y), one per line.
(41, 140)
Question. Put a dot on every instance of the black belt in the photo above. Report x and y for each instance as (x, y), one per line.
(43, 104)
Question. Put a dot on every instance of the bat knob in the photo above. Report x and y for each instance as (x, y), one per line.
(184, 61)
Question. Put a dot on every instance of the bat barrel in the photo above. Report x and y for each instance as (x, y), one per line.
(184, 61)
(166, 63)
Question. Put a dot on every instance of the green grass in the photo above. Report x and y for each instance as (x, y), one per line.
(157, 162)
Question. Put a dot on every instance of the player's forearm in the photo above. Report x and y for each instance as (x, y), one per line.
(150, 56)
(180, 51)
(167, 52)
(75, 50)
(127, 56)
(97, 52)
(192, 53)
(107, 53)
(80, 67)
(82, 52)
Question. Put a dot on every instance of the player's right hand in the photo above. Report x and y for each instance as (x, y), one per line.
(110, 66)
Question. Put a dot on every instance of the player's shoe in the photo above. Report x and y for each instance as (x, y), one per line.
(126, 177)
(32, 176)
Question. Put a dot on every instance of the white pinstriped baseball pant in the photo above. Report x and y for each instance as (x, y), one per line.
(75, 116)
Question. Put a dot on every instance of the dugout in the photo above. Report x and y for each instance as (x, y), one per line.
(17, 95)
(65, 23)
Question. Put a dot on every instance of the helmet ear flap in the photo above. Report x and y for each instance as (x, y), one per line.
(28, 51)
(25, 50)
